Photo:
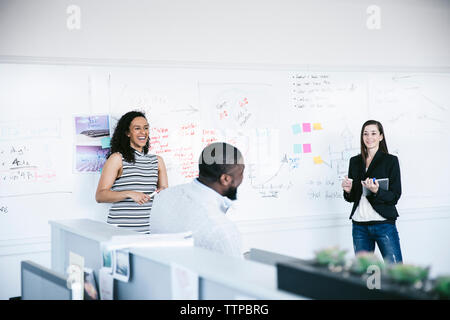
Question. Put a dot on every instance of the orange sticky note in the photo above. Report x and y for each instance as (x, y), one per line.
(317, 126)
(318, 160)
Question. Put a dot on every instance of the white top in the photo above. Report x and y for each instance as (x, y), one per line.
(365, 213)
(197, 208)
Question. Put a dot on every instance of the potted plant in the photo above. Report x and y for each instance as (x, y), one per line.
(408, 274)
(441, 287)
(333, 258)
(363, 260)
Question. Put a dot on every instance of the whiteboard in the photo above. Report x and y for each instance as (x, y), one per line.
(297, 130)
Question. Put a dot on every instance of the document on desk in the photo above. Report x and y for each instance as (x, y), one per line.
(90, 285)
(182, 239)
(106, 284)
(76, 264)
(121, 270)
(184, 283)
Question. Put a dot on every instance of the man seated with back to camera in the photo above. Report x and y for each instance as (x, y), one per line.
(200, 206)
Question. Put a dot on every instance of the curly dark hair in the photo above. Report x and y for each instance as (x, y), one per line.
(120, 142)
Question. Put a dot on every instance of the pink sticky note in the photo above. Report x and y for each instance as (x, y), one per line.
(307, 148)
(307, 127)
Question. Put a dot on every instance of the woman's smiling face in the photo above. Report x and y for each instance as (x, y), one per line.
(138, 133)
(372, 136)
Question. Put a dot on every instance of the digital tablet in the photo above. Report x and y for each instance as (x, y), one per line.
(383, 183)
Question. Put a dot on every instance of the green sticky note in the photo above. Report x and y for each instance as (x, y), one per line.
(296, 129)
(297, 148)
(106, 142)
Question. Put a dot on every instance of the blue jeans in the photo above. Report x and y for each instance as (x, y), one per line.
(385, 235)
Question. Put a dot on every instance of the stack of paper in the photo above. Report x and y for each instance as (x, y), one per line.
(183, 239)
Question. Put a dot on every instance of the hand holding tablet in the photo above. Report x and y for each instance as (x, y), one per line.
(371, 185)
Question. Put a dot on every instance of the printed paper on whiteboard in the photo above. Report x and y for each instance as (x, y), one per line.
(90, 129)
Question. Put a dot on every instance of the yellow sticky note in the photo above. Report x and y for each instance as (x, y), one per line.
(317, 126)
(318, 160)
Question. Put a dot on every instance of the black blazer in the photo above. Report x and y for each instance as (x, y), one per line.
(383, 165)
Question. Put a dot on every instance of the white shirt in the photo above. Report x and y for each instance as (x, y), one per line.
(365, 212)
(197, 208)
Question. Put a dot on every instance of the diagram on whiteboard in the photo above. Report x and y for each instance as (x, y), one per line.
(165, 104)
(28, 158)
(272, 186)
(236, 106)
(426, 97)
(338, 159)
(415, 109)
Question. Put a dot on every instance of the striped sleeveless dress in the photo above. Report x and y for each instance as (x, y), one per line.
(141, 176)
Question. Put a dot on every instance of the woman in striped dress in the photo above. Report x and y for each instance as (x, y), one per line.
(131, 175)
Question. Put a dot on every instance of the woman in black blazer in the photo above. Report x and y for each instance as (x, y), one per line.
(373, 215)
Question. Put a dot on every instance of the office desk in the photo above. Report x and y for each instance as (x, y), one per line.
(220, 276)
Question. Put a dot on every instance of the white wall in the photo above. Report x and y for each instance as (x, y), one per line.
(414, 33)
(308, 32)
(423, 237)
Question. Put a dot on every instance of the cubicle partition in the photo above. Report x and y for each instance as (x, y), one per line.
(41, 283)
(220, 276)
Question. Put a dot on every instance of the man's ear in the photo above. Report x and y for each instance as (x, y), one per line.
(225, 179)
